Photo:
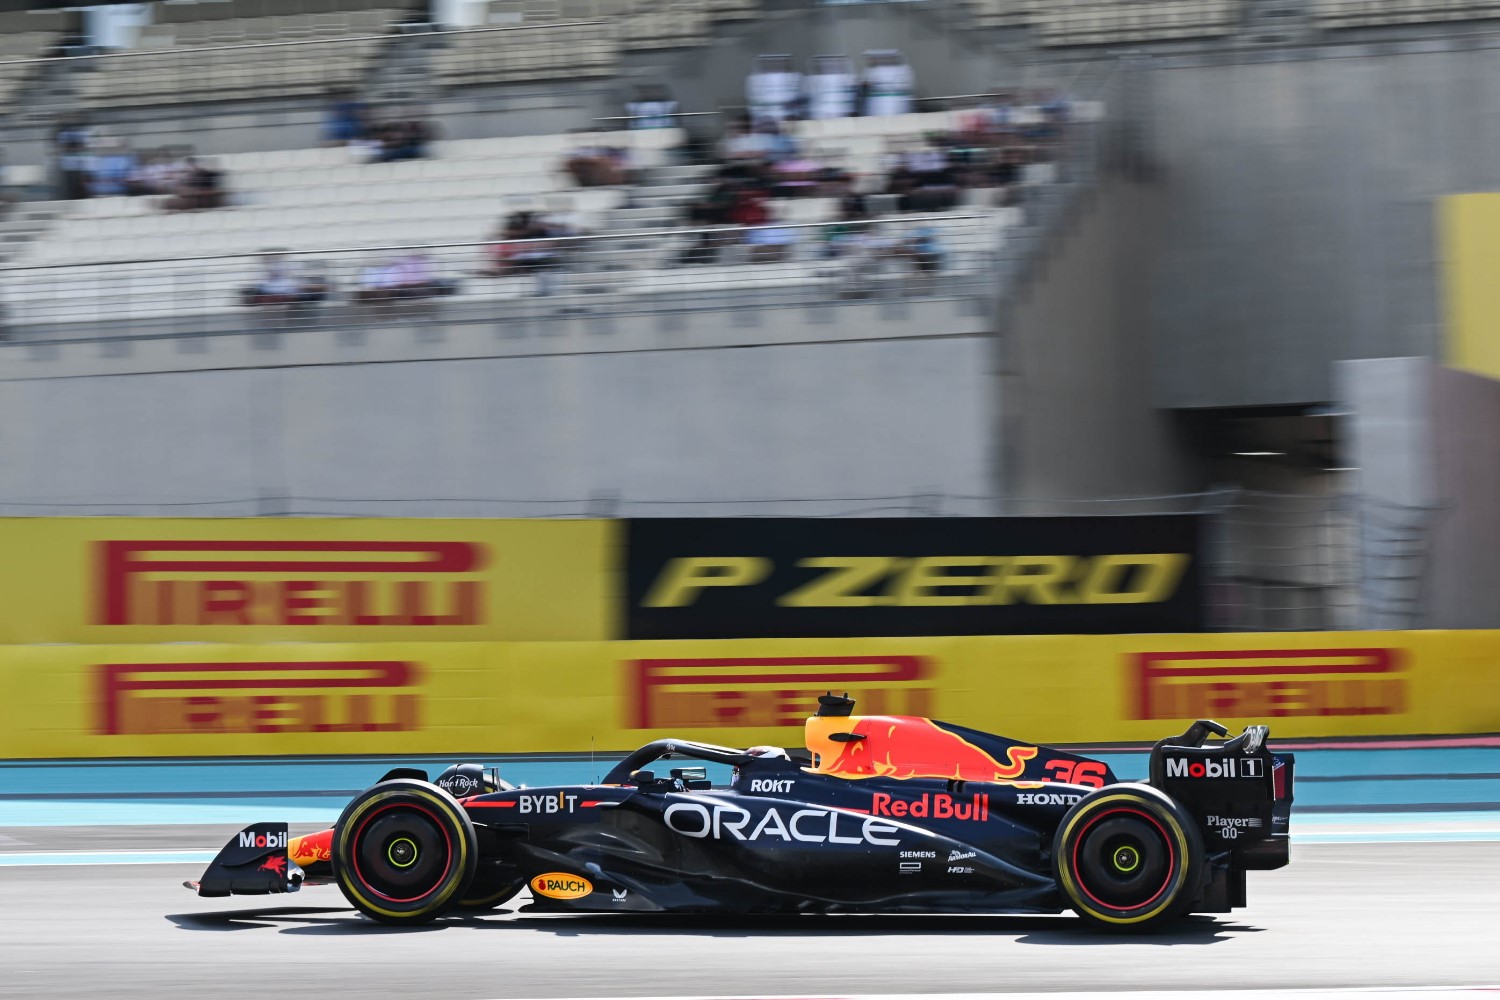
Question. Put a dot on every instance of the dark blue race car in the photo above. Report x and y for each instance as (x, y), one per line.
(881, 814)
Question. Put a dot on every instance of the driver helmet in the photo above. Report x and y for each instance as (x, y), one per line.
(769, 752)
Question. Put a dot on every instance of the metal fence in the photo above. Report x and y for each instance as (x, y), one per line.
(902, 257)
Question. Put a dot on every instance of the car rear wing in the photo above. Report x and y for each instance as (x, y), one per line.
(1238, 790)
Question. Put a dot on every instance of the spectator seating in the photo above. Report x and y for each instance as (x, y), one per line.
(1003, 13)
(232, 58)
(636, 23)
(860, 145)
(16, 47)
(315, 199)
(574, 38)
(1356, 13)
(1097, 22)
(544, 52)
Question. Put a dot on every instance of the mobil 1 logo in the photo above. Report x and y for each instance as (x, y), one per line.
(1216, 768)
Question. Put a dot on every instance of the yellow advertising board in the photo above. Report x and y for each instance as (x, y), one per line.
(493, 698)
(1469, 248)
(147, 580)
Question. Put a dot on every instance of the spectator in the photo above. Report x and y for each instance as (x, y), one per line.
(713, 208)
(923, 180)
(652, 107)
(770, 244)
(831, 88)
(561, 220)
(865, 254)
(525, 244)
(888, 83)
(774, 89)
(407, 277)
(111, 168)
(844, 236)
(922, 249)
(404, 139)
(599, 166)
(71, 142)
(199, 186)
(344, 122)
(743, 142)
(284, 282)
(752, 211)
(505, 245)
(156, 173)
(369, 147)
(796, 178)
(137, 182)
(712, 211)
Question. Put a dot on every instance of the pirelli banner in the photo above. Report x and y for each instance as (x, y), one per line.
(135, 580)
(482, 699)
(704, 578)
(131, 580)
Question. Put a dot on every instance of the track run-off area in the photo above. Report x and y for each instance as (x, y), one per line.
(1397, 891)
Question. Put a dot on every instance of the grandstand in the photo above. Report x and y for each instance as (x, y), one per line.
(1102, 22)
(236, 58)
(1153, 267)
(25, 39)
(112, 258)
(1064, 23)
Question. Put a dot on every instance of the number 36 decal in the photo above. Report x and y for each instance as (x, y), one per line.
(1077, 772)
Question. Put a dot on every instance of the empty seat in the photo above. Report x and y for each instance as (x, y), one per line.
(229, 58)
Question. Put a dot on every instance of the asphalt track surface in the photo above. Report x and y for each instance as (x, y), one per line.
(1342, 915)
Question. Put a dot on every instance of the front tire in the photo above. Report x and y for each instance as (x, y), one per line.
(1128, 857)
(404, 851)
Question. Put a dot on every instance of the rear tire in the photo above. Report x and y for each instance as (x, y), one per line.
(404, 851)
(1128, 857)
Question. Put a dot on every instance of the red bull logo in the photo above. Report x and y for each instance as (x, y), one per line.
(770, 691)
(311, 848)
(903, 747)
(927, 805)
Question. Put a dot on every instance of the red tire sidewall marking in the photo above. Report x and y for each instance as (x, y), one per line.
(1171, 858)
(447, 843)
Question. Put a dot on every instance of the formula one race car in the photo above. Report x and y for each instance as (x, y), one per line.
(885, 814)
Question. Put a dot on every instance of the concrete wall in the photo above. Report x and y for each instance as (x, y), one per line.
(1298, 208)
(1423, 437)
(1389, 430)
(1388, 434)
(1080, 421)
(746, 414)
(1465, 590)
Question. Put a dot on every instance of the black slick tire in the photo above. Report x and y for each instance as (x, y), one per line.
(404, 851)
(1128, 857)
